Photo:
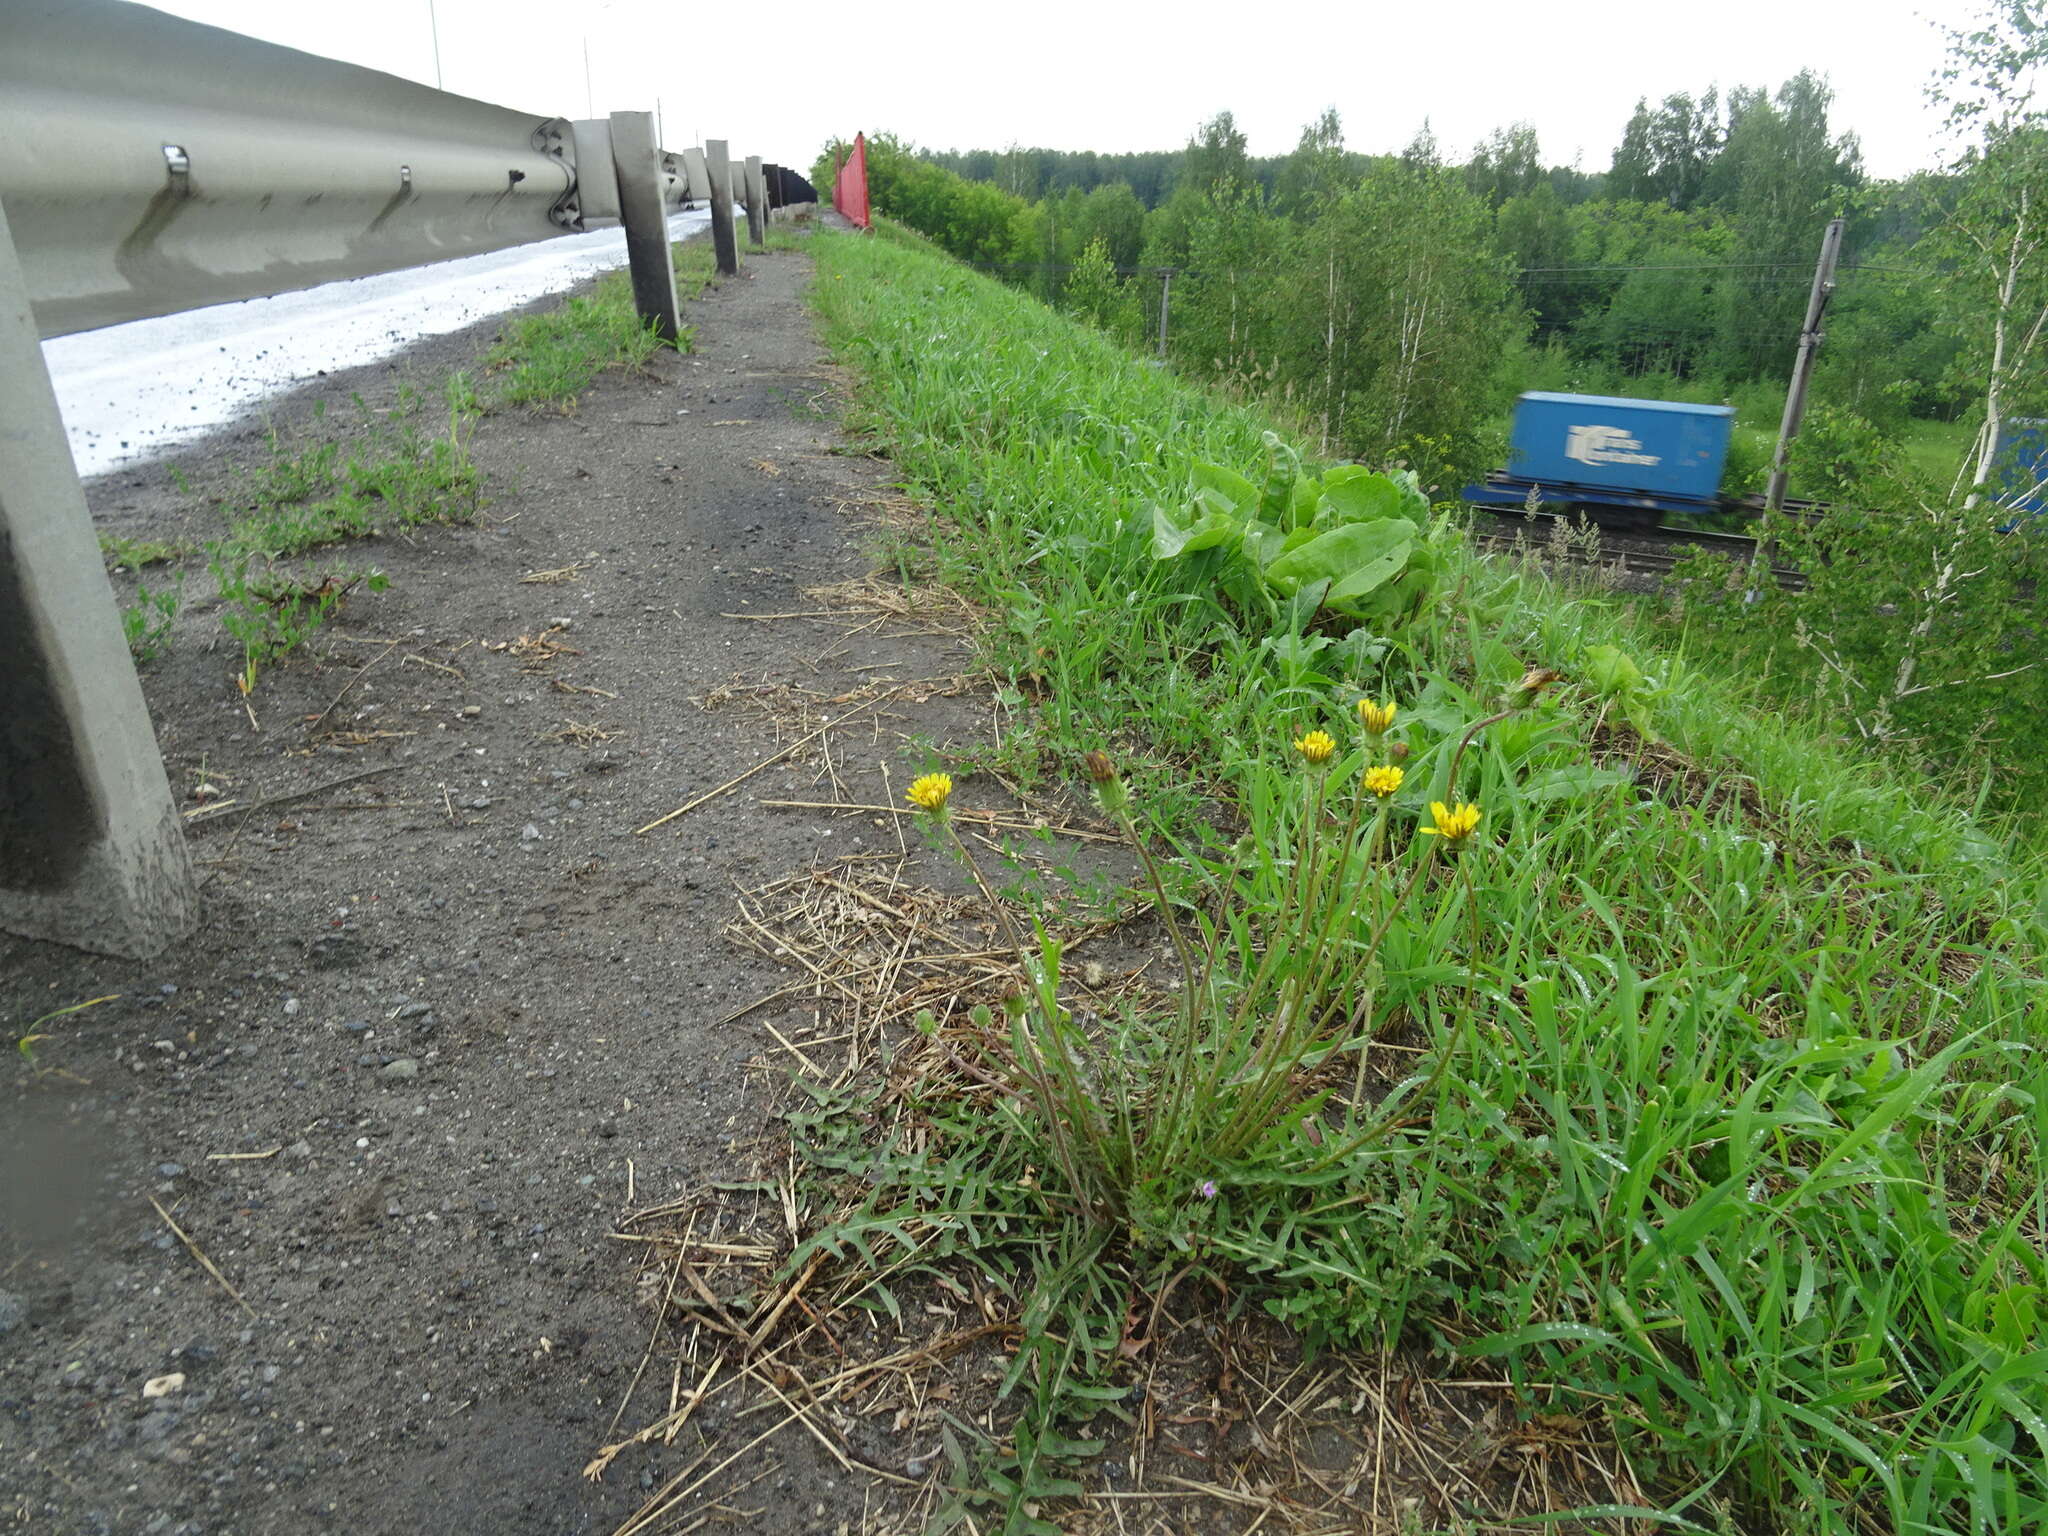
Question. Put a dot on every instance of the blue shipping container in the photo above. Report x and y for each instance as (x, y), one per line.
(1659, 447)
(2020, 464)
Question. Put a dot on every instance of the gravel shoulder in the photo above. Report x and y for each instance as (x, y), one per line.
(447, 1018)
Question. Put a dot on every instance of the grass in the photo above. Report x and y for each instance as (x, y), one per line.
(321, 487)
(1937, 449)
(552, 357)
(1703, 1091)
(125, 554)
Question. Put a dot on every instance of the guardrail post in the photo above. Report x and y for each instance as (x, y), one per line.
(696, 178)
(718, 163)
(91, 851)
(636, 158)
(757, 202)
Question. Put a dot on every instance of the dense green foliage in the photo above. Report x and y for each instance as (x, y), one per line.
(1680, 272)
(1721, 1111)
(1390, 307)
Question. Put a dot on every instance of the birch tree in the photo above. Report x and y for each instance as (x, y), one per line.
(1995, 241)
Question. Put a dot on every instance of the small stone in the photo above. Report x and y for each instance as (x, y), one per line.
(356, 1026)
(415, 1010)
(13, 1312)
(480, 803)
(607, 1129)
(471, 711)
(170, 1170)
(165, 1385)
(402, 1070)
(486, 1205)
(299, 1151)
(529, 833)
(291, 1005)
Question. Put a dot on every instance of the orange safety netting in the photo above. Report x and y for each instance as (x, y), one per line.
(850, 191)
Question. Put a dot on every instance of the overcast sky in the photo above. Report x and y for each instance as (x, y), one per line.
(780, 80)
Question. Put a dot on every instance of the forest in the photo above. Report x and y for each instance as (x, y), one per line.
(1399, 302)
(1392, 306)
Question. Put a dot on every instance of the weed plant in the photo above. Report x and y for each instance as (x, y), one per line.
(147, 621)
(553, 357)
(392, 472)
(1702, 1089)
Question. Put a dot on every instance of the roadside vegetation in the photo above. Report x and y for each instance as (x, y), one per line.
(333, 482)
(1388, 309)
(1586, 1016)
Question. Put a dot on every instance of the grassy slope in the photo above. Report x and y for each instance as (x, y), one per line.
(1743, 1120)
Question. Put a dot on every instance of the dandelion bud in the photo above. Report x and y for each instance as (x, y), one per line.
(1110, 792)
(1399, 751)
(1531, 687)
(1015, 1002)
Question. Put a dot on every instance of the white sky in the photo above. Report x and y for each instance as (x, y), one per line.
(781, 80)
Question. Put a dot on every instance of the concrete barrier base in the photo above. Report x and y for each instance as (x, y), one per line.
(91, 851)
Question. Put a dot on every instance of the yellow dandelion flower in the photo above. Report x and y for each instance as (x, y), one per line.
(1453, 823)
(1383, 781)
(1378, 719)
(931, 792)
(1317, 747)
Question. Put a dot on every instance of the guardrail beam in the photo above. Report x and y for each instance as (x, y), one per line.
(91, 851)
(637, 160)
(718, 165)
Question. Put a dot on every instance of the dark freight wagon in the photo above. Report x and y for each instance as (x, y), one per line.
(1624, 462)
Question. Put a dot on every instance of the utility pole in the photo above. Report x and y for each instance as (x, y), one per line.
(434, 26)
(1802, 368)
(1165, 289)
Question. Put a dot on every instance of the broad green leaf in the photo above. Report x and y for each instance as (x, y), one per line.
(1352, 494)
(1169, 539)
(1238, 492)
(1573, 783)
(1610, 671)
(1354, 558)
(1307, 497)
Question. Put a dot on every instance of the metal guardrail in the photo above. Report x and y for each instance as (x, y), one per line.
(155, 164)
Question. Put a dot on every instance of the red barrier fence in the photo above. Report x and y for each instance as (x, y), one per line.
(850, 191)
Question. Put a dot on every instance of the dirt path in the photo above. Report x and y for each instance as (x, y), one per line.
(442, 1020)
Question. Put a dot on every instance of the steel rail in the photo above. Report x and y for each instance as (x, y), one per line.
(1633, 550)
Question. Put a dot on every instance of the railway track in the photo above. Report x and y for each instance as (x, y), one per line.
(1642, 552)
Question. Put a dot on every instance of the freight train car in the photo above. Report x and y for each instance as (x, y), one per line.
(1620, 463)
